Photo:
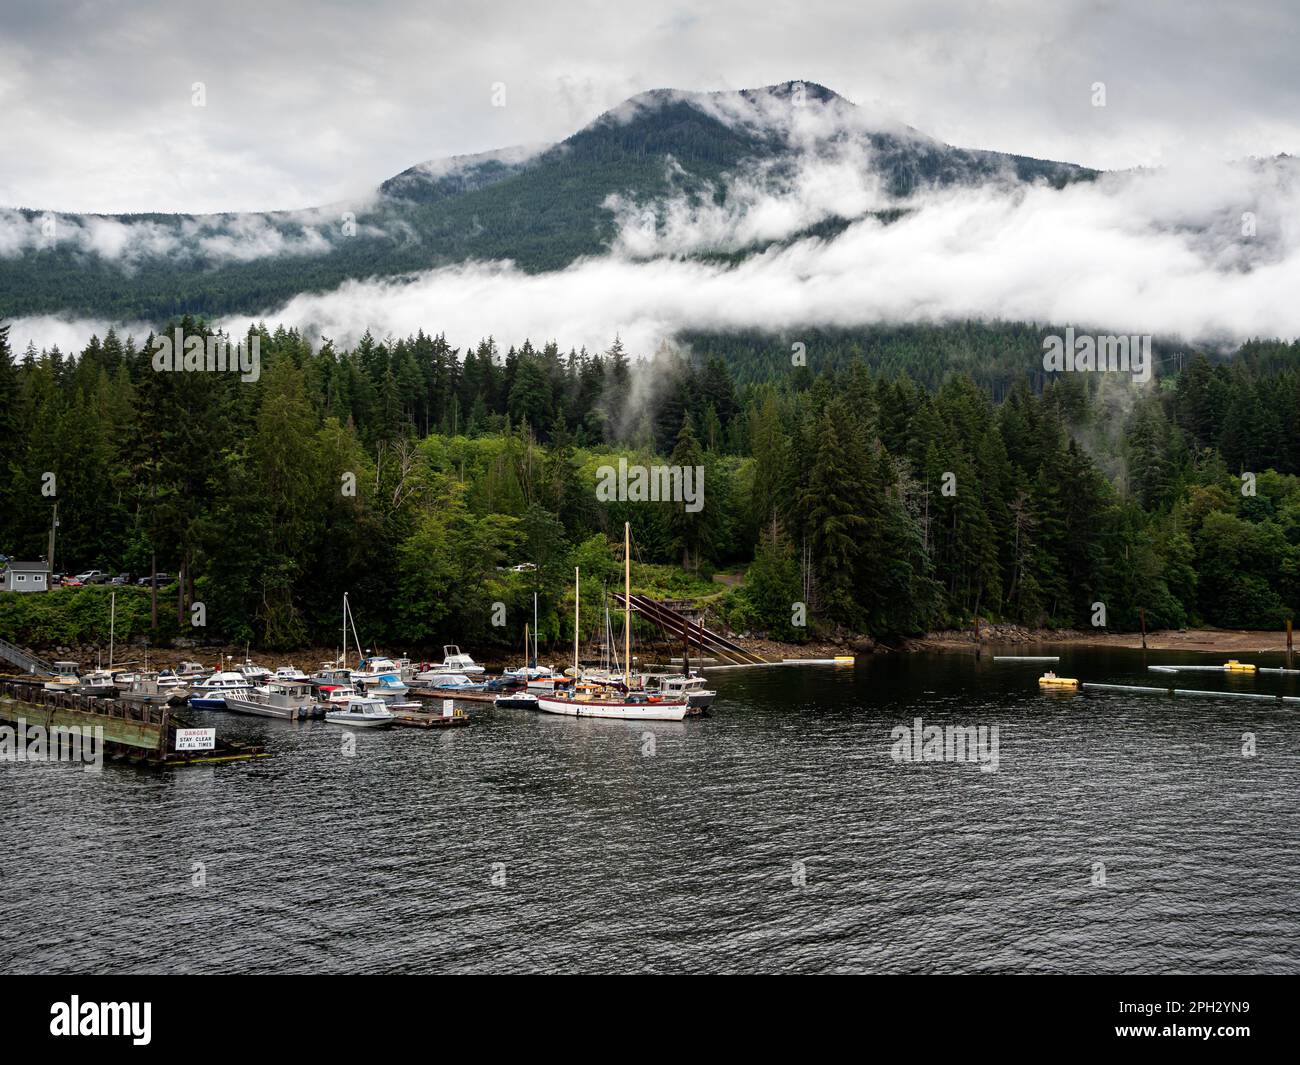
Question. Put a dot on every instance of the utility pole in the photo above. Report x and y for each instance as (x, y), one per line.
(53, 525)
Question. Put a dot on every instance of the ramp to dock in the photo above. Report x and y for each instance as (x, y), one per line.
(693, 633)
(24, 660)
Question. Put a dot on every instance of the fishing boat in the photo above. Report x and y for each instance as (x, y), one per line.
(290, 674)
(188, 671)
(678, 684)
(98, 683)
(361, 712)
(145, 689)
(210, 694)
(289, 700)
(585, 699)
(65, 676)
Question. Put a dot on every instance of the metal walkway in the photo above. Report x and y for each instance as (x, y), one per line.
(694, 633)
(24, 660)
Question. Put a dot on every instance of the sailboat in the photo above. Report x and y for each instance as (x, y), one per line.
(603, 700)
(376, 675)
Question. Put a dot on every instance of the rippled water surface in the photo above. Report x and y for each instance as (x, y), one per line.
(686, 859)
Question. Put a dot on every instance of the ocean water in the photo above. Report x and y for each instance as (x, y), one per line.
(1117, 833)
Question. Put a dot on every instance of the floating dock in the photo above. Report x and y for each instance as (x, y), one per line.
(136, 732)
(1141, 690)
(1026, 658)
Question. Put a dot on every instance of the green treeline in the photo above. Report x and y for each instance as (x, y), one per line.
(414, 476)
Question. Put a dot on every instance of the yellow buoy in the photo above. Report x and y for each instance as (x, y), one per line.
(1233, 666)
(1051, 680)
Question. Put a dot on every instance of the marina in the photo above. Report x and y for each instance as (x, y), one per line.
(1068, 793)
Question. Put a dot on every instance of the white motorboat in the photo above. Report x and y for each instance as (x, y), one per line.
(380, 673)
(169, 678)
(335, 694)
(188, 671)
(361, 712)
(455, 661)
(290, 674)
(290, 700)
(65, 676)
(252, 672)
(448, 682)
(672, 685)
(210, 694)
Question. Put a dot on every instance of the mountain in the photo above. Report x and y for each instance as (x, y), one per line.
(541, 206)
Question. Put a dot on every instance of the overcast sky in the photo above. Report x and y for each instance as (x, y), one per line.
(311, 102)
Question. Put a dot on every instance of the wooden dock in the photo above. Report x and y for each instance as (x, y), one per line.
(136, 732)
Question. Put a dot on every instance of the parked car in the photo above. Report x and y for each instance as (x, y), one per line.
(72, 582)
(164, 579)
(89, 576)
(121, 578)
(524, 567)
(56, 579)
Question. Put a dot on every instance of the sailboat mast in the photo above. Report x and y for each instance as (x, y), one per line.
(576, 600)
(345, 630)
(112, 623)
(534, 628)
(627, 603)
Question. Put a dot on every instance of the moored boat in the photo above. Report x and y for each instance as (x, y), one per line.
(630, 706)
(455, 661)
(289, 700)
(672, 685)
(210, 693)
(98, 683)
(516, 701)
(361, 712)
(65, 676)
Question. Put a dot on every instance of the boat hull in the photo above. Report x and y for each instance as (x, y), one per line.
(242, 705)
(521, 701)
(614, 710)
(359, 720)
